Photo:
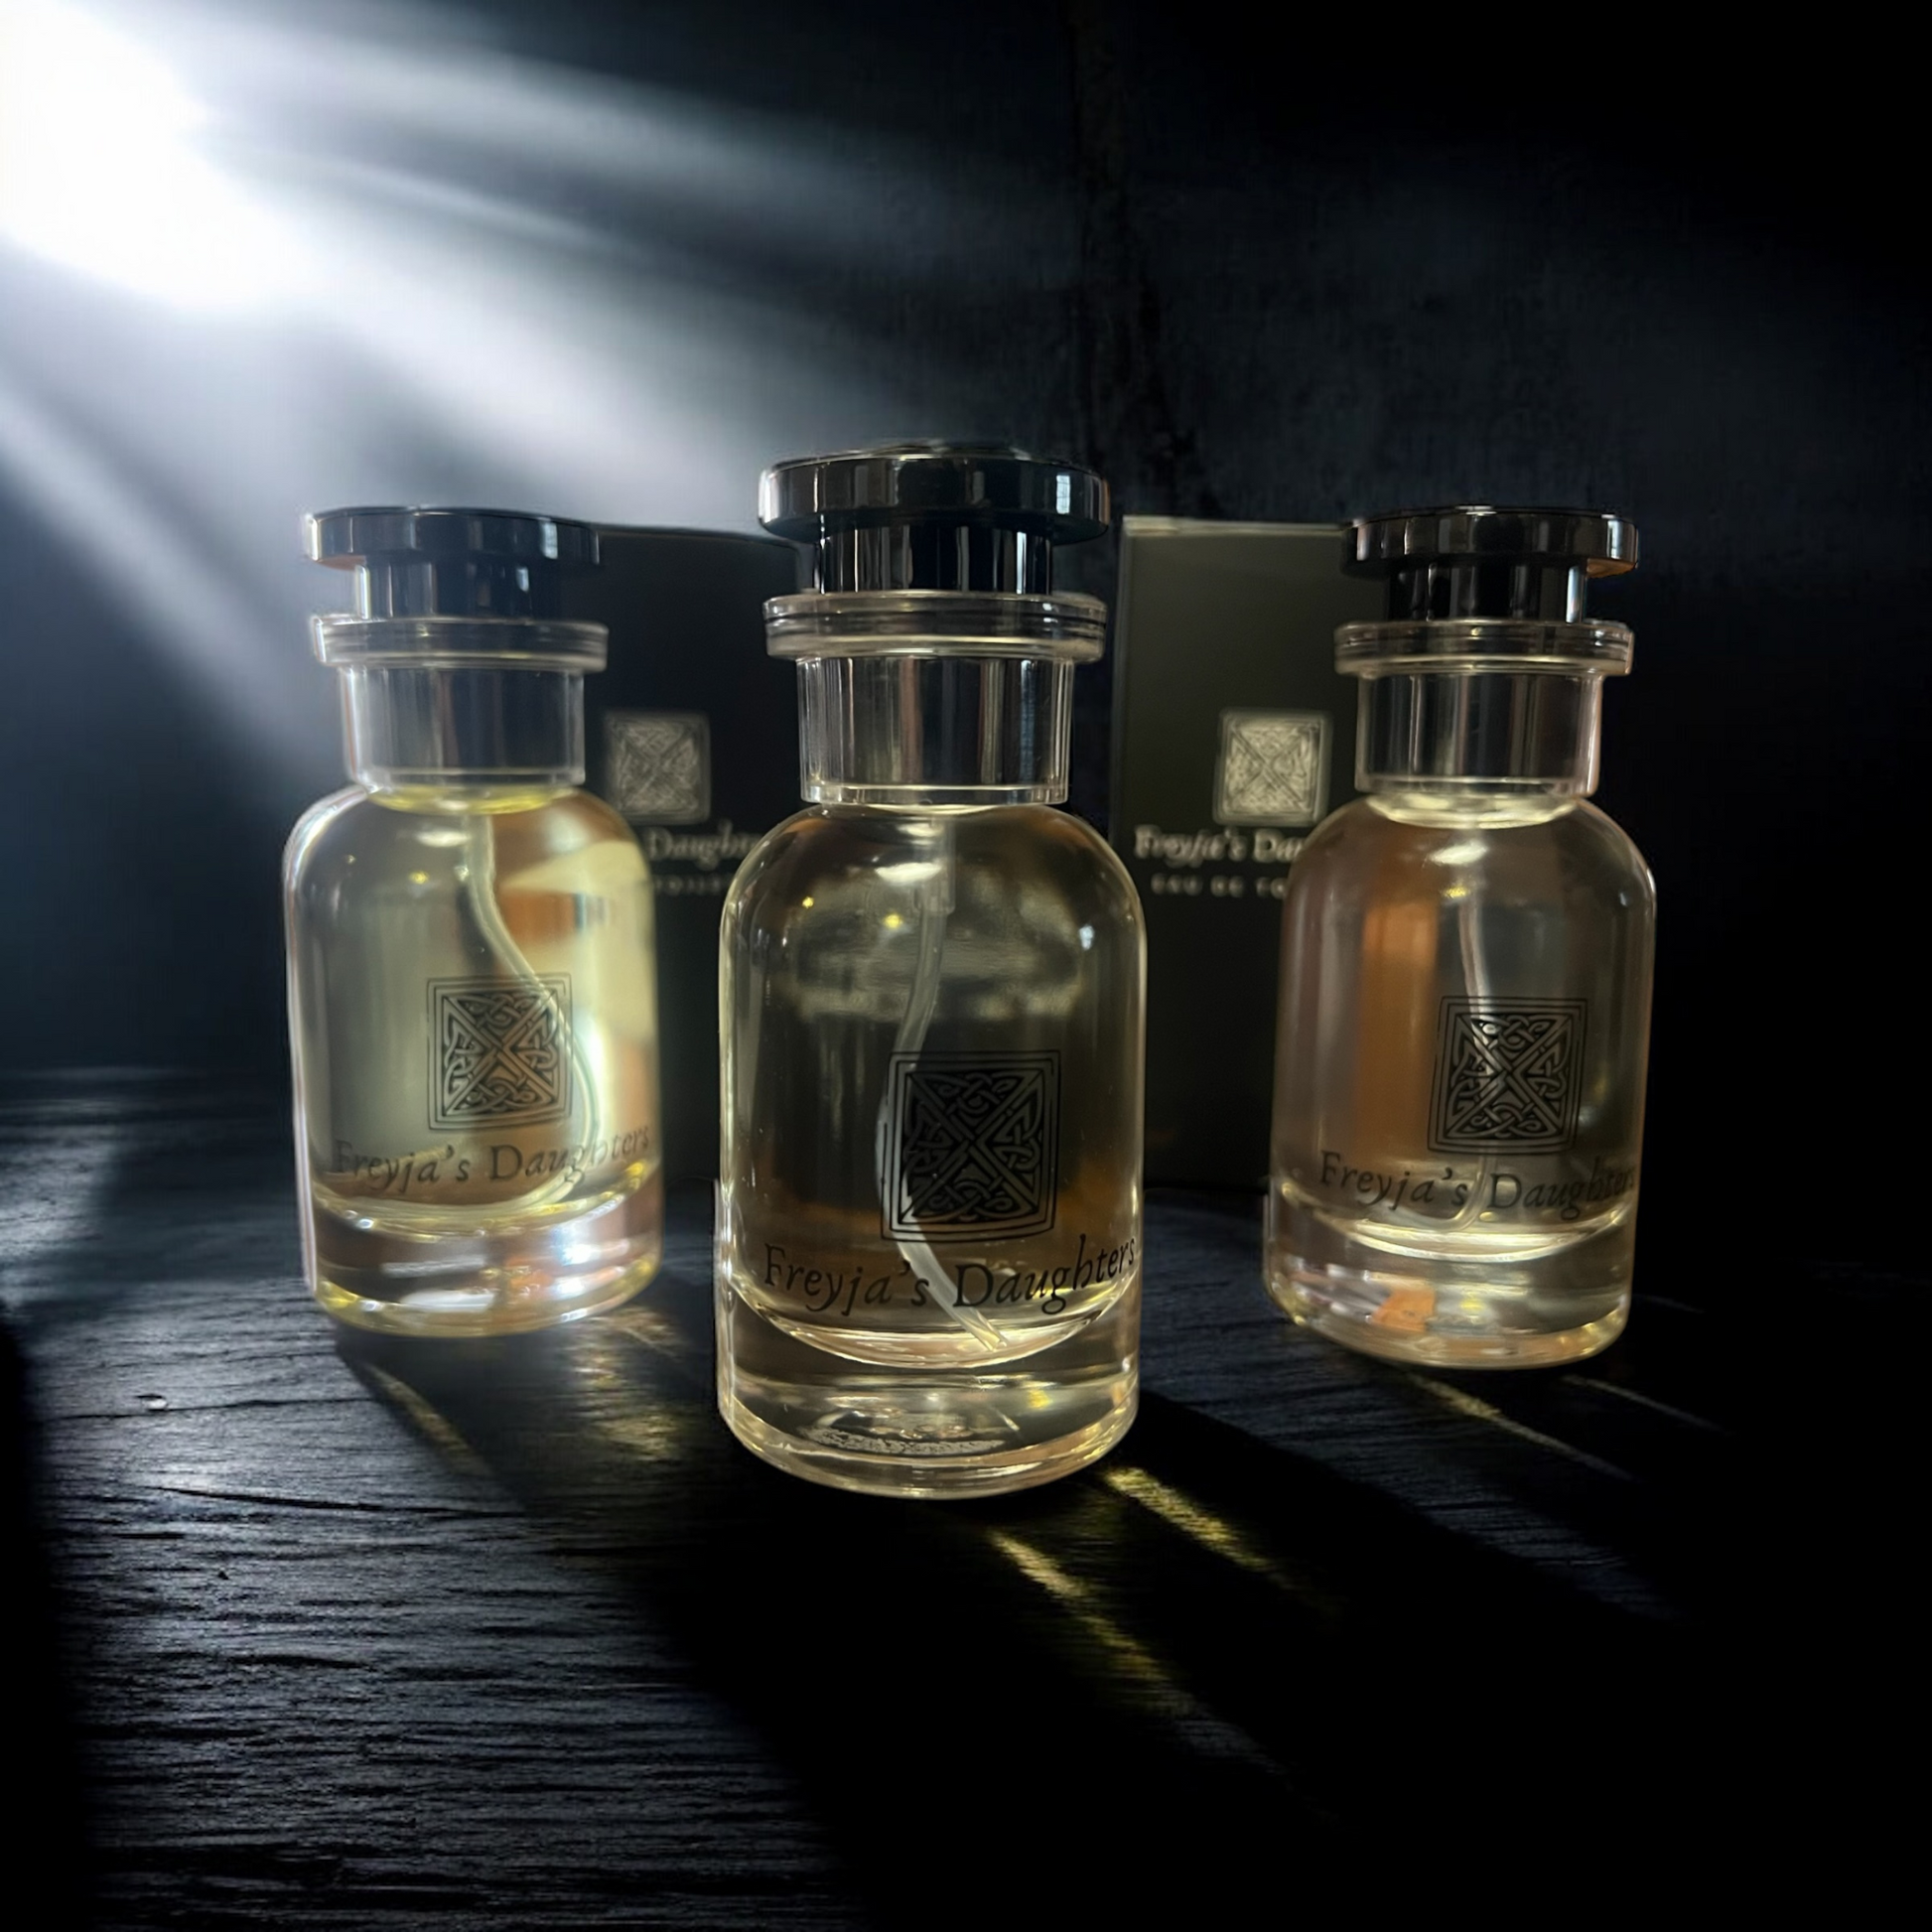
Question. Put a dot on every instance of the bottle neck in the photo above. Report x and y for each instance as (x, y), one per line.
(473, 705)
(928, 732)
(1485, 707)
(441, 729)
(935, 698)
(1488, 732)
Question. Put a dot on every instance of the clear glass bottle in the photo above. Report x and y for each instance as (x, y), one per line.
(471, 981)
(1466, 968)
(932, 1001)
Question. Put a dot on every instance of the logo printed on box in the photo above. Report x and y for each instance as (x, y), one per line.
(1273, 768)
(659, 764)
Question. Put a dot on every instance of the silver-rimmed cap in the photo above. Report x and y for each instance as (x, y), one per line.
(450, 563)
(932, 516)
(1485, 560)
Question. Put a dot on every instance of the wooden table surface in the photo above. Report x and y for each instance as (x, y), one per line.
(311, 1629)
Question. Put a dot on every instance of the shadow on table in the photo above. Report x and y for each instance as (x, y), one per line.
(45, 1829)
(1206, 1666)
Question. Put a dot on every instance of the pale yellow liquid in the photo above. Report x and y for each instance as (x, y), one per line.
(929, 1354)
(482, 1194)
(1492, 1257)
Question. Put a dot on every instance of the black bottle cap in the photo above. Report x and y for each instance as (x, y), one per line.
(1478, 560)
(939, 516)
(450, 563)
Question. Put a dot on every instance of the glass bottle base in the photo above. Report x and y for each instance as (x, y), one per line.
(928, 1432)
(490, 1282)
(1491, 1312)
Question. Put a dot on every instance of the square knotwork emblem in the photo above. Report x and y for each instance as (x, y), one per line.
(973, 1145)
(1508, 1075)
(1273, 768)
(658, 765)
(499, 1051)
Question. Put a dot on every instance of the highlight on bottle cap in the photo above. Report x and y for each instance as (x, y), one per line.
(1484, 560)
(934, 516)
(982, 484)
(454, 562)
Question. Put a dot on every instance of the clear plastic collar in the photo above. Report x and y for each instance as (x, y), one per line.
(532, 643)
(934, 623)
(1473, 644)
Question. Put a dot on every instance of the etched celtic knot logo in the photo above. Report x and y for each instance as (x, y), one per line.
(497, 1051)
(1273, 768)
(1507, 1076)
(974, 1144)
(659, 764)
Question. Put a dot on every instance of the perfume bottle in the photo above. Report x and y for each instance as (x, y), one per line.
(471, 986)
(1465, 967)
(931, 1003)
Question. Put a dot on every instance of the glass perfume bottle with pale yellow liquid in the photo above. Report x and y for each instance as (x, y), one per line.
(471, 981)
(932, 1001)
(1465, 967)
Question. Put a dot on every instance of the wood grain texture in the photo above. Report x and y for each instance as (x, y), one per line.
(338, 1631)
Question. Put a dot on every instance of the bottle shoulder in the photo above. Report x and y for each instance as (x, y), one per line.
(572, 840)
(1363, 847)
(1598, 828)
(1571, 822)
(313, 833)
(1029, 852)
(597, 817)
(840, 838)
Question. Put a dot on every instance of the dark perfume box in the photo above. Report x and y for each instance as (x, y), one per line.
(692, 734)
(1233, 737)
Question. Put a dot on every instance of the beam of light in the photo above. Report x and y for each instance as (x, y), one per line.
(1129, 1663)
(254, 260)
(135, 548)
(98, 168)
(1637, 1396)
(51, 1184)
(1212, 1532)
(428, 1421)
(1465, 1404)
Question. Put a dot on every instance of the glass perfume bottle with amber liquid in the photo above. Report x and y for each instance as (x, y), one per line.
(931, 987)
(472, 983)
(1466, 968)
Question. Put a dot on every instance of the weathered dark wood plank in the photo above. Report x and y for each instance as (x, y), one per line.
(381, 1634)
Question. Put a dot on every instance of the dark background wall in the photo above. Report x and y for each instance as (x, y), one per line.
(607, 259)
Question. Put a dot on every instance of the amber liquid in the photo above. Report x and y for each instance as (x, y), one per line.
(473, 1009)
(1459, 1110)
(930, 1212)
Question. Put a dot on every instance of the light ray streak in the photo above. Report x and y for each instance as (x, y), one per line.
(1131, 1661)
(1477, 1410)
(1212, 1532)
(99, 168)
(458, 275)
(142, 556)
(1647, 1402)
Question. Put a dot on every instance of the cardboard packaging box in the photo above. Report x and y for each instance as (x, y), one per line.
(1234, 737)
(692, 734)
